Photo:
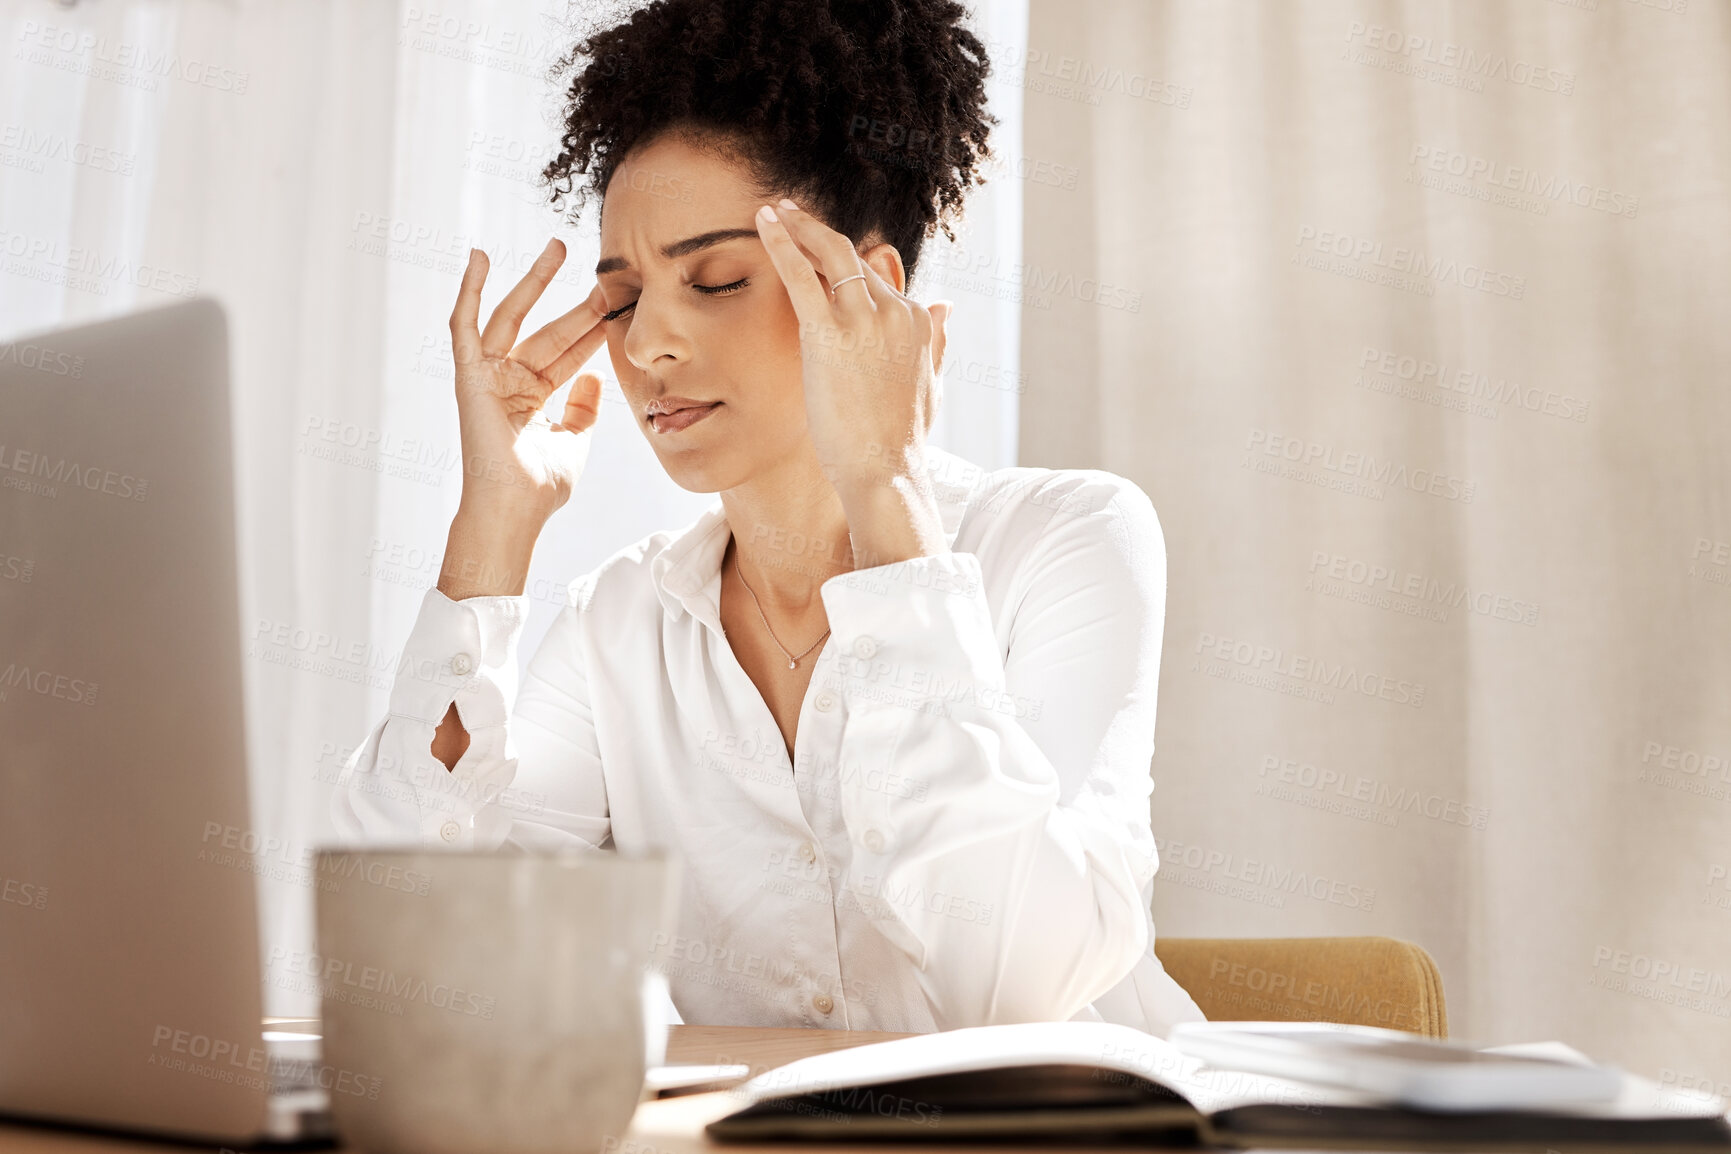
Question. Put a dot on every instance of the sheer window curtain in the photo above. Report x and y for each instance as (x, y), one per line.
(1428, 383)
(322, 169)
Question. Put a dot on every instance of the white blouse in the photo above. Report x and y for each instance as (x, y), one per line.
(962, 835)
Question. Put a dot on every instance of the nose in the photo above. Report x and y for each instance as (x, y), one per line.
(656, 334)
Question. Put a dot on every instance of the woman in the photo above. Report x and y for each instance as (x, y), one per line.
(896, 714)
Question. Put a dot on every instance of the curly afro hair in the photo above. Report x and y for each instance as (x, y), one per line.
(871, 113)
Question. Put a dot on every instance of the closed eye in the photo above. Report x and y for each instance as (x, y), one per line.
(711, 290)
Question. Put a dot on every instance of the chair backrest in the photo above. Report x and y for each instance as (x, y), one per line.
(1361, 981)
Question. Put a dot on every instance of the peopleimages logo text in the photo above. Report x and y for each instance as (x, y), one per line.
(1362, 465)
(1546, 186)
(1274, 660)
(1470, 62)
(1400, 259)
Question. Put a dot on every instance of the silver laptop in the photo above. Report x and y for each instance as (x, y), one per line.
(130, 984)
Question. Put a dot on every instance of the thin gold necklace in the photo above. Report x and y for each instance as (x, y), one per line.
(792, 661)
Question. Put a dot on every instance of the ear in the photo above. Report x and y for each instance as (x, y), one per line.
(887, 263)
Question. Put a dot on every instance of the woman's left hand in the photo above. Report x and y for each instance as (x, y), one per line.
(870, 356)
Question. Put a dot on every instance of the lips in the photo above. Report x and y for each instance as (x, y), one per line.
(670, 414)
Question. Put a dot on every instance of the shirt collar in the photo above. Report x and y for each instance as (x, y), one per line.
(687, 573)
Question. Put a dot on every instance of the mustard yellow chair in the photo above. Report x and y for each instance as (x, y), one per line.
(1360, 981)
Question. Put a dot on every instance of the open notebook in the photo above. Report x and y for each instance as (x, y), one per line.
(1081, 1080)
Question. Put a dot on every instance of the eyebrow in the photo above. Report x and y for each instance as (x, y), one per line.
(680, 248)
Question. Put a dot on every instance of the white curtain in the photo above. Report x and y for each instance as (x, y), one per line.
(322, 169)
(1417, 339)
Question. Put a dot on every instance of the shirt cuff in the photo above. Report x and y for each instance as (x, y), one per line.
(916, 634)
(450, 647)
(914, 642)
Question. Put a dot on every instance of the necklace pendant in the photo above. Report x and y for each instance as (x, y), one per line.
(792, 664)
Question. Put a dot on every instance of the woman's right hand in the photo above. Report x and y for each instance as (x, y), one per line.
(519, 466)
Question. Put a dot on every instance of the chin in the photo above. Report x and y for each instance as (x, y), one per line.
(697, 471)
(716, 463)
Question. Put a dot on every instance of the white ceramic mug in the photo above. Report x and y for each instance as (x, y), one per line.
(488, 1001)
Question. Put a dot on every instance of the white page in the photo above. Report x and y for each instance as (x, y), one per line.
(1099, 1045)
(1127, 1050)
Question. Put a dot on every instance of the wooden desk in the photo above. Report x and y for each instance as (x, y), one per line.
(666, 1126)
(761, 1049)
(675, 1125)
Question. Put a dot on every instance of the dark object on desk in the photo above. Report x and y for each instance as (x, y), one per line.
(1034, 1103)
(1095, 1082)
(960, 1107)
(679, 1078)
(1373, 1128)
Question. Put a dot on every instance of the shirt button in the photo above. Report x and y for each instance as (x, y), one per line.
(450, 831)
(864, 647)
(825, 701)
(807, 852)
(873, 840)
(824, 1003)
(461, 664)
